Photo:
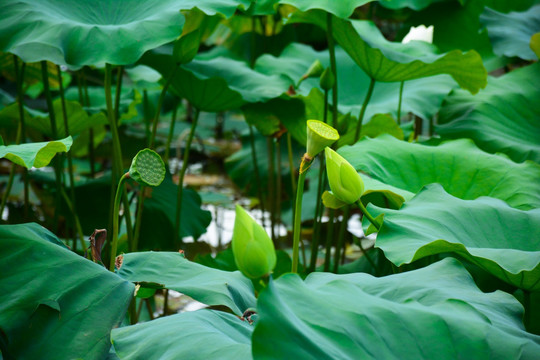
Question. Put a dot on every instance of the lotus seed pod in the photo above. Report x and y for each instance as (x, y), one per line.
(253, 249)
(319, 136)
(345, 183)
(327, 79)
(147, 168)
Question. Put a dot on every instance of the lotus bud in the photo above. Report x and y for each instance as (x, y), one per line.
(315, 70)
(327, 79)
(319, 136)
(147, 168)
(345, 183)
(253, 249)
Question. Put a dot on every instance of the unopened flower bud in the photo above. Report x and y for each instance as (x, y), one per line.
(327, 79)
(253, 249)
(345, 183)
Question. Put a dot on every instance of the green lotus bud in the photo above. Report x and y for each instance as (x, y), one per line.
(319, 136)
(327, 79)
(147, 168)
(315, 70)
(345, 183)
(253, 249)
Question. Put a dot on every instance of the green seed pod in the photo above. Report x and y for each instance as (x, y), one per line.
(147, 168)
(319, 136)
(327, 79)
(345, 183)
(253, 249)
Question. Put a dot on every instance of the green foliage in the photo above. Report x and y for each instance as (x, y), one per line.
(35, 154)
(54, 307)
(459, 166)
(171, 270)
(207, 334)
(308, 318)
(487, 232)
(499, 119)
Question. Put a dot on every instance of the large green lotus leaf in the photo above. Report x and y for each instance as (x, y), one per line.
(507, 6)
(511, 33)
(171, 270)
(97, 31)
(436, 312)
(412, 4)
(55, 303)
(487, 232)
(502, 118)
(203, 334)
(421, 97)
(159, 217)
(341, 8)
(35, 154)
(78, 119)
(459, 166)
(388, 61)
(217, 83)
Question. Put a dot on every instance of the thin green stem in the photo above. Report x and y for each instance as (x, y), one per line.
(291, 161)
(169, 138)
(330, 232)
(368, 257)
(368, 215)
(21, 136)
(69, 157)
(271, 186)
(318, 213)
(76, 218)
(341, 238)
(400, 101)
(256, 172)
(363, 110)
(333, 67)
(279, 184)
(159, 105)
(177, 237)
(118, 94)
(54, 131)
(297, 221)
(117, 199)
(85, 101)
(138, 218)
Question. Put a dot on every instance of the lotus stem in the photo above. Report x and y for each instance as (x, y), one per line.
(318, 216)
(341, 238)
(170, 136)
(333, 67)
(363, 110)
(256, 172)
(329, 239)
(279, 185)
(117, 199)
(76, 218)
(527, 307)
(400, 101)
(118, 94)
(368, 215)
(66, 134)
(117, 150)
(57, 160)
(177, 238)
(159, 105)
(304, 166)
(271, 186)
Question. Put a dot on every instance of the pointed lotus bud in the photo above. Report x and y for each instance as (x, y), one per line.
(345, 183)
(319, 136)
(327, 79)
(315, 70)
(253, 249)
(147, 168)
